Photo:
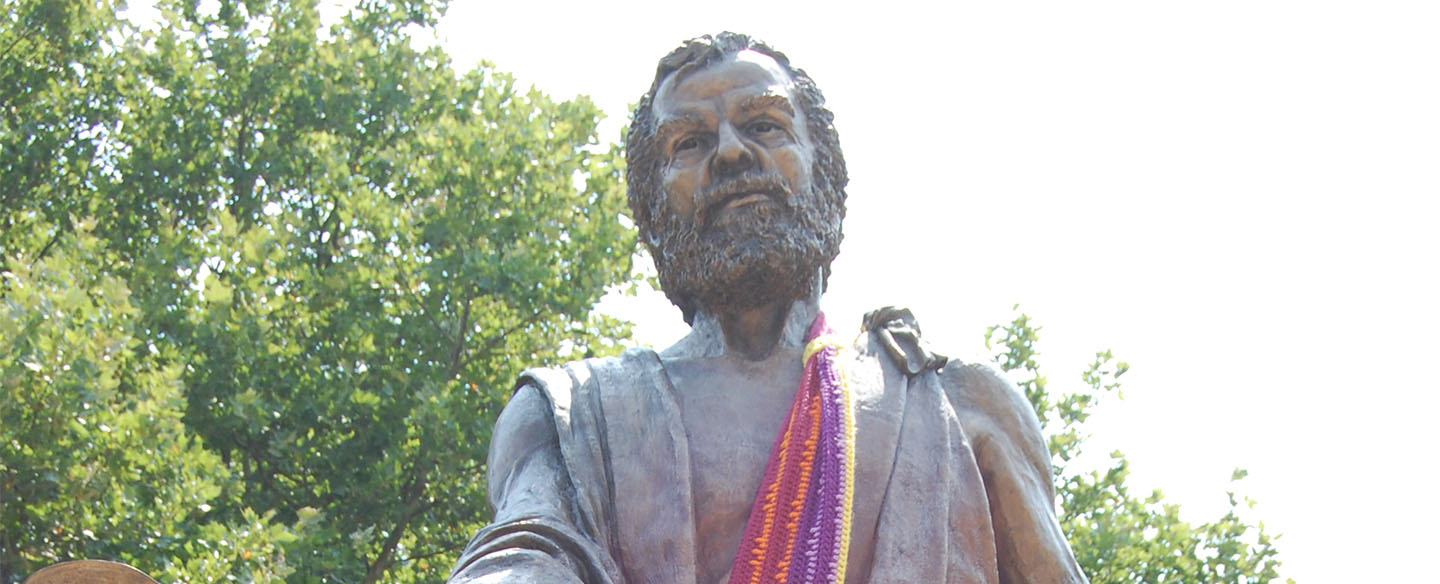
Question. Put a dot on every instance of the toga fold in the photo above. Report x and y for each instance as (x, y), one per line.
(603, 494)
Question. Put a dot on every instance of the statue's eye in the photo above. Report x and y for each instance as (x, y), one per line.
(763, 127)
(687, 143)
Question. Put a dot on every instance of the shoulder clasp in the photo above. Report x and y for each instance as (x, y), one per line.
(897, 330)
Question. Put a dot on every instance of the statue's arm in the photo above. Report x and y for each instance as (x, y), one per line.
(534, 536)
(1015, 466)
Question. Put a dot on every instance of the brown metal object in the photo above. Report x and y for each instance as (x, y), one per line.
(89, 572)
(644, 467)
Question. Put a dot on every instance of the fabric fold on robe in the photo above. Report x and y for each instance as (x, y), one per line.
(625, 452)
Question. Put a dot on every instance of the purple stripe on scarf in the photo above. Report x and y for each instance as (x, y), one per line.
(834, 488)
(830, 504)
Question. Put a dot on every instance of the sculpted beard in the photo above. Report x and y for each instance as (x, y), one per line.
(771, 253)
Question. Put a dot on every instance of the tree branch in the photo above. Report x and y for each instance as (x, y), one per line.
(439, 552)
(458, 351)
(495, 340)
(413, 493)
(27, 35)
(45, 250)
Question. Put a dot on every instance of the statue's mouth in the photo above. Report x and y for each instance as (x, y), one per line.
(753, 190)
(726, 204)
(742, 199)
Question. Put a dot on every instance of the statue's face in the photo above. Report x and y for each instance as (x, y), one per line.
(733, 141)
(742, 223)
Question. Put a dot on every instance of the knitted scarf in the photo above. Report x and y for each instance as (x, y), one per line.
(799, 526)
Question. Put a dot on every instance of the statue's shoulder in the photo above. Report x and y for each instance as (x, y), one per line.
(578, 386)
(576, 376)
(994, 411)
(897, 332)
(973, 388)
(564, 402)
(979, 386)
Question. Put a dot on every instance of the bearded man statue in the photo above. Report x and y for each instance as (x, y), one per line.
(759, 448)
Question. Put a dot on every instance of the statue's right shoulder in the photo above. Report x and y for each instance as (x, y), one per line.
(561, 383)
(581, 412)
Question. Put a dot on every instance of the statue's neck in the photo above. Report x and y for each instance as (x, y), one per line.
(755, 334)
(750, 334)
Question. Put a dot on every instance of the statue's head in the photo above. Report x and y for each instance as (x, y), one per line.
(736, 179)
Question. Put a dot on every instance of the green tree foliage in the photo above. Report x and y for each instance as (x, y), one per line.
(96, 460)
(57, 96)
(337, 253)
(1119, 537)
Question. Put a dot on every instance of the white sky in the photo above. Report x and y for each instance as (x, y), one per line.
(1239, 198)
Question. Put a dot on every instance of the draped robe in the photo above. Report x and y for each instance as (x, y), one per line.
(602, 493)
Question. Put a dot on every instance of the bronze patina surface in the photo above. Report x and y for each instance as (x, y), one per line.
(643, 467)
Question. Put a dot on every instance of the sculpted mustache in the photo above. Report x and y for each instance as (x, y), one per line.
(752, 182)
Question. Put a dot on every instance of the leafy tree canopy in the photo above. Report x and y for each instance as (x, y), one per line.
(1119, 537)
(318, 259)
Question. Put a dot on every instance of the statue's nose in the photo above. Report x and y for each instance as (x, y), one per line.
(732, 154)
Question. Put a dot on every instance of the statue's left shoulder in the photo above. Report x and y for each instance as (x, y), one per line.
(978, 387)
(998, 421)
(988, 405)
(1011, 453)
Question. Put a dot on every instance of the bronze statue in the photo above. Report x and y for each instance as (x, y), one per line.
(653, 467)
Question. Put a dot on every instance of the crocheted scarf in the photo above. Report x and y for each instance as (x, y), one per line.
(799, 526)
